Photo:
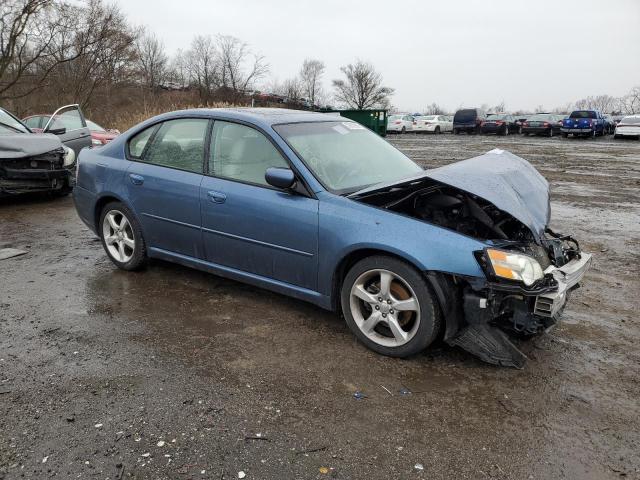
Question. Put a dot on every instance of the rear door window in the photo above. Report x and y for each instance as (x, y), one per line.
(179, 144)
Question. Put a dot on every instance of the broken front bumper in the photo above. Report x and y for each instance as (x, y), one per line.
(568, 276)
(491, 309)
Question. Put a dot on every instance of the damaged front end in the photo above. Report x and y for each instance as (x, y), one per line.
(530, 270)
(34, 163)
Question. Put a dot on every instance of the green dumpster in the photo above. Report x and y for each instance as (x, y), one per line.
(375, 120)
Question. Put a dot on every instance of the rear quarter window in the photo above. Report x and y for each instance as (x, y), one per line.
(138, 143)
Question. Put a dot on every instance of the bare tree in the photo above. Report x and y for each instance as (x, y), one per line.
(362, 88)
(630, 103)
(203, 67)
(499, 108)
(239, 67)
(434, 109)
(151, 59)
(293, 90)
(311, 77)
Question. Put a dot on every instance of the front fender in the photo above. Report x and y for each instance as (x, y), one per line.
(347, 226)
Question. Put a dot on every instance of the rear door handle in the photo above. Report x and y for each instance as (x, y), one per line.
(216, 197)
(136, 179)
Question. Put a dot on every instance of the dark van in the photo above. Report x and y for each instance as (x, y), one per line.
(468, 120)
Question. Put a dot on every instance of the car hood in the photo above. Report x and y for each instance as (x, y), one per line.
(507, 181)
(23, 145)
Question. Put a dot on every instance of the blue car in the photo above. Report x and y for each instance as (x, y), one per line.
(319, 208)
(584, 123)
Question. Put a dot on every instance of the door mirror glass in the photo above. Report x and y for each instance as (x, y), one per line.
(283, 178)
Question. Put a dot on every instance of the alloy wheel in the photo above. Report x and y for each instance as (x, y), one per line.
(118, 236)
(385, 308)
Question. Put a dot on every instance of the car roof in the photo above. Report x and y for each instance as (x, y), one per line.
(263, 116)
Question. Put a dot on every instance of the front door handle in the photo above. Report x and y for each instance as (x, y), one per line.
(216, 197)
(136, 179)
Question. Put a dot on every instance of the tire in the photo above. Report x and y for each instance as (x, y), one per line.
(414, 329)
(127, 237)
(593, 134)
(616, 137)
(550, 134)
(526, 134)
(506, 130)
(437, 131)
(456, 131)
(565, 135)
(404, 130)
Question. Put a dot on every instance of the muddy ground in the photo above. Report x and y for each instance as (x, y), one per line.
(173, 373)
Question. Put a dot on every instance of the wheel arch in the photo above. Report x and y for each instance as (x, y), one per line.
(100, 204)
(443, 286)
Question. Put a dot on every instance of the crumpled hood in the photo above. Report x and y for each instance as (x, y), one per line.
(509, 182)
(23, 145)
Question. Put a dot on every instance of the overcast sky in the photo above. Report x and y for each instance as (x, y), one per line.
(463, 52)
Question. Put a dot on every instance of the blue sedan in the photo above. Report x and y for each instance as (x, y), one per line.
(317, 207)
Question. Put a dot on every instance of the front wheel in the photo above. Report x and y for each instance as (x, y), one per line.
(388, 306)
(565, 135)
(121, 237)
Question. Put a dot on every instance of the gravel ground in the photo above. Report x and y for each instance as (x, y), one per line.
(173, 373)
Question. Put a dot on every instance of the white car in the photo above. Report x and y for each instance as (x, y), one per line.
(628, 127)
(400, 123)
(433, 124)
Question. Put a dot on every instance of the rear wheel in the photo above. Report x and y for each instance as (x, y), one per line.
(565, 135)
(437, 130)
(389, 307)
(456, 131)
(122, 237)
(550, 134)
(404, 130)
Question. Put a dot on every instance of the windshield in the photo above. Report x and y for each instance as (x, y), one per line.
(583, 114)
(345, 156)
(465, 116)
(10, 124)
(427, 117)
(496, 116)
(94, 127)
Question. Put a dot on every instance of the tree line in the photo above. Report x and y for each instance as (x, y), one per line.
(55, 52)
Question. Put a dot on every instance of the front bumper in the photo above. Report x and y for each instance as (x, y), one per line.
(551, 304)
(19, 180)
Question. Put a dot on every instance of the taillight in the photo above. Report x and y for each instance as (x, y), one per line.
(525, 124)
(499, 122)
(545, 124)
(398, 122)
(482, 124)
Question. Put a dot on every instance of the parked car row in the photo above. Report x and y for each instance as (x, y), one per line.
(403, 123)
(580, 123)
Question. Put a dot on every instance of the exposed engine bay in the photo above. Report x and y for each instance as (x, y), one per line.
(470, 215)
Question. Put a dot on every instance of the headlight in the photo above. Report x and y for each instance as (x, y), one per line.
(95, 141)
(69, 156)
(514, 266)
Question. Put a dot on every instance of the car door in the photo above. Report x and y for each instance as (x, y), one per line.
(248, 225)
(69, 125)
(163, 184)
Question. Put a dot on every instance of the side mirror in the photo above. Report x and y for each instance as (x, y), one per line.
(56, 131)
(282, 178)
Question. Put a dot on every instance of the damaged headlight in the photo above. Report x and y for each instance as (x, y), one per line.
(514, 266)
(69, 156)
